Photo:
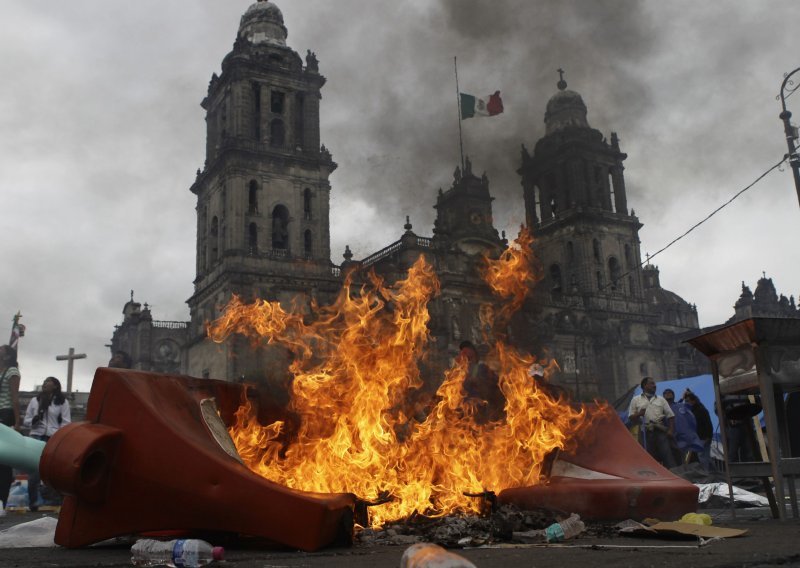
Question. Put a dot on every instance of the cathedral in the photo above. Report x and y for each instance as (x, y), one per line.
(263, 231)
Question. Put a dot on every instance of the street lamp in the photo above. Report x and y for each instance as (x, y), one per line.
(787, 88)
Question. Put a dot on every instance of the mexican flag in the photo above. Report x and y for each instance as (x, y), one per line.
(487, 106)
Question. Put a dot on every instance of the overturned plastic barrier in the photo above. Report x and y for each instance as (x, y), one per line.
(152, 455)
(608, 476)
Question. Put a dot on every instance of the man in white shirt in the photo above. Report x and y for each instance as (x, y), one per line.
(657, 422)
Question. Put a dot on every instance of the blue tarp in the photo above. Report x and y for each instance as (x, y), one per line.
(685, 426)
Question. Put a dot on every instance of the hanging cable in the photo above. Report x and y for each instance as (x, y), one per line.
(714, 212)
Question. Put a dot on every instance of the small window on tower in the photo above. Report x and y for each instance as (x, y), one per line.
(613, 271)
(308, 244)
(555, 278)
(276, 133)
(276, 105)
(252, 197)
(307, 204)
(252, 239)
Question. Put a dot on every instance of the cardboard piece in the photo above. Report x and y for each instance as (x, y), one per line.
(678, 530)
(692, 529)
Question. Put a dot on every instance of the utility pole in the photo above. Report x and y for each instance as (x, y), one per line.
(69, 358)
(787, 88)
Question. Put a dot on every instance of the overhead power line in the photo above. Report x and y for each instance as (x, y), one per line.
(717, 210)
(696, 225)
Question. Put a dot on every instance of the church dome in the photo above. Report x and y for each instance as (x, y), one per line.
(565, 109)
(263, 23)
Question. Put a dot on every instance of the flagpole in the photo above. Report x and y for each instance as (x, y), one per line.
(458, 100)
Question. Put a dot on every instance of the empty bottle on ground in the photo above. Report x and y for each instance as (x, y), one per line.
(181, 553)
(562, 530)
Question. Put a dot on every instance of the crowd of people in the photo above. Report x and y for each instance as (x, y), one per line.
(679, 432)
(48, 411)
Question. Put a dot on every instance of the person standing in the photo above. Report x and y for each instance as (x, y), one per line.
(657, 421)
(9, 408)
(705, 430)
(120, 360)
(481, 386)
(46, 413)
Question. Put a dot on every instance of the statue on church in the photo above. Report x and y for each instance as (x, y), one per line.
(312, 63)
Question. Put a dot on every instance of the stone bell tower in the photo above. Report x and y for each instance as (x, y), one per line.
(263, 195)
(608, 322)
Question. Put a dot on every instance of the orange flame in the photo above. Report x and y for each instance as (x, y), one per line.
(361, 422)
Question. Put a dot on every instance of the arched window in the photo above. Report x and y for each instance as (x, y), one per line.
(308, 244)
(570, 251)
(280, 228)
(214, 238)
(537, 205)
(554, 206)
(276, 102)
(555, 277)
(256, 111)
(613, 271)
(596, 249)
(299, 120)
(277, 133)
(611, 189)
(252, 197)
(307, 204)
(627, 256)
(252, 239)
(599, 276)
(202, 259)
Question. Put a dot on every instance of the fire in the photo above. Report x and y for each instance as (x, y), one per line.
(360, 419)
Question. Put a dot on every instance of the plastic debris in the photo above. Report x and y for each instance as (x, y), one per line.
(696, 518)
(428, 555)
(33, 534)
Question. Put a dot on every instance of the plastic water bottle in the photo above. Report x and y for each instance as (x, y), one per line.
(566, 529)
(184, 552)
(428, 555)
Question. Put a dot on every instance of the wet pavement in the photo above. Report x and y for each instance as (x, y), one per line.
(768, 542)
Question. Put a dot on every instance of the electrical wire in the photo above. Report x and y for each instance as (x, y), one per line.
(696, 225)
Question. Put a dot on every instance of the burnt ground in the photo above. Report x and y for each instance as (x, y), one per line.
(768, 542)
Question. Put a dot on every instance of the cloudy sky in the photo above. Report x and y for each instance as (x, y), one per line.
(102, 132)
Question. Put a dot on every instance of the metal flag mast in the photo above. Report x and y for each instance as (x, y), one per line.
(458, 101)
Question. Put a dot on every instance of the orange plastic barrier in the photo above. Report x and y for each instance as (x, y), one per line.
(146, 460)
(608, 477)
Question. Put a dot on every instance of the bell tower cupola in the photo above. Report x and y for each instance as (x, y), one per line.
(576, 203)
(263, 194)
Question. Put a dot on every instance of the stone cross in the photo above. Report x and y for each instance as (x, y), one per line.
(69, 358)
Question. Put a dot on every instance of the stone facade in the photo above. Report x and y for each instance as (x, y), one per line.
(263, 200)
(765, 303)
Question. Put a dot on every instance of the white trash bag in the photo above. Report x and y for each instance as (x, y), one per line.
(34, 534)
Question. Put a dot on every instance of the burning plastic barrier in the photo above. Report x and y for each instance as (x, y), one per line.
(153, 455)
(357, 366)
(608, 476)
(147, 459)
(355, 431)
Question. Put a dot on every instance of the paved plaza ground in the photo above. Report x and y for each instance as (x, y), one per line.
(768, 542)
